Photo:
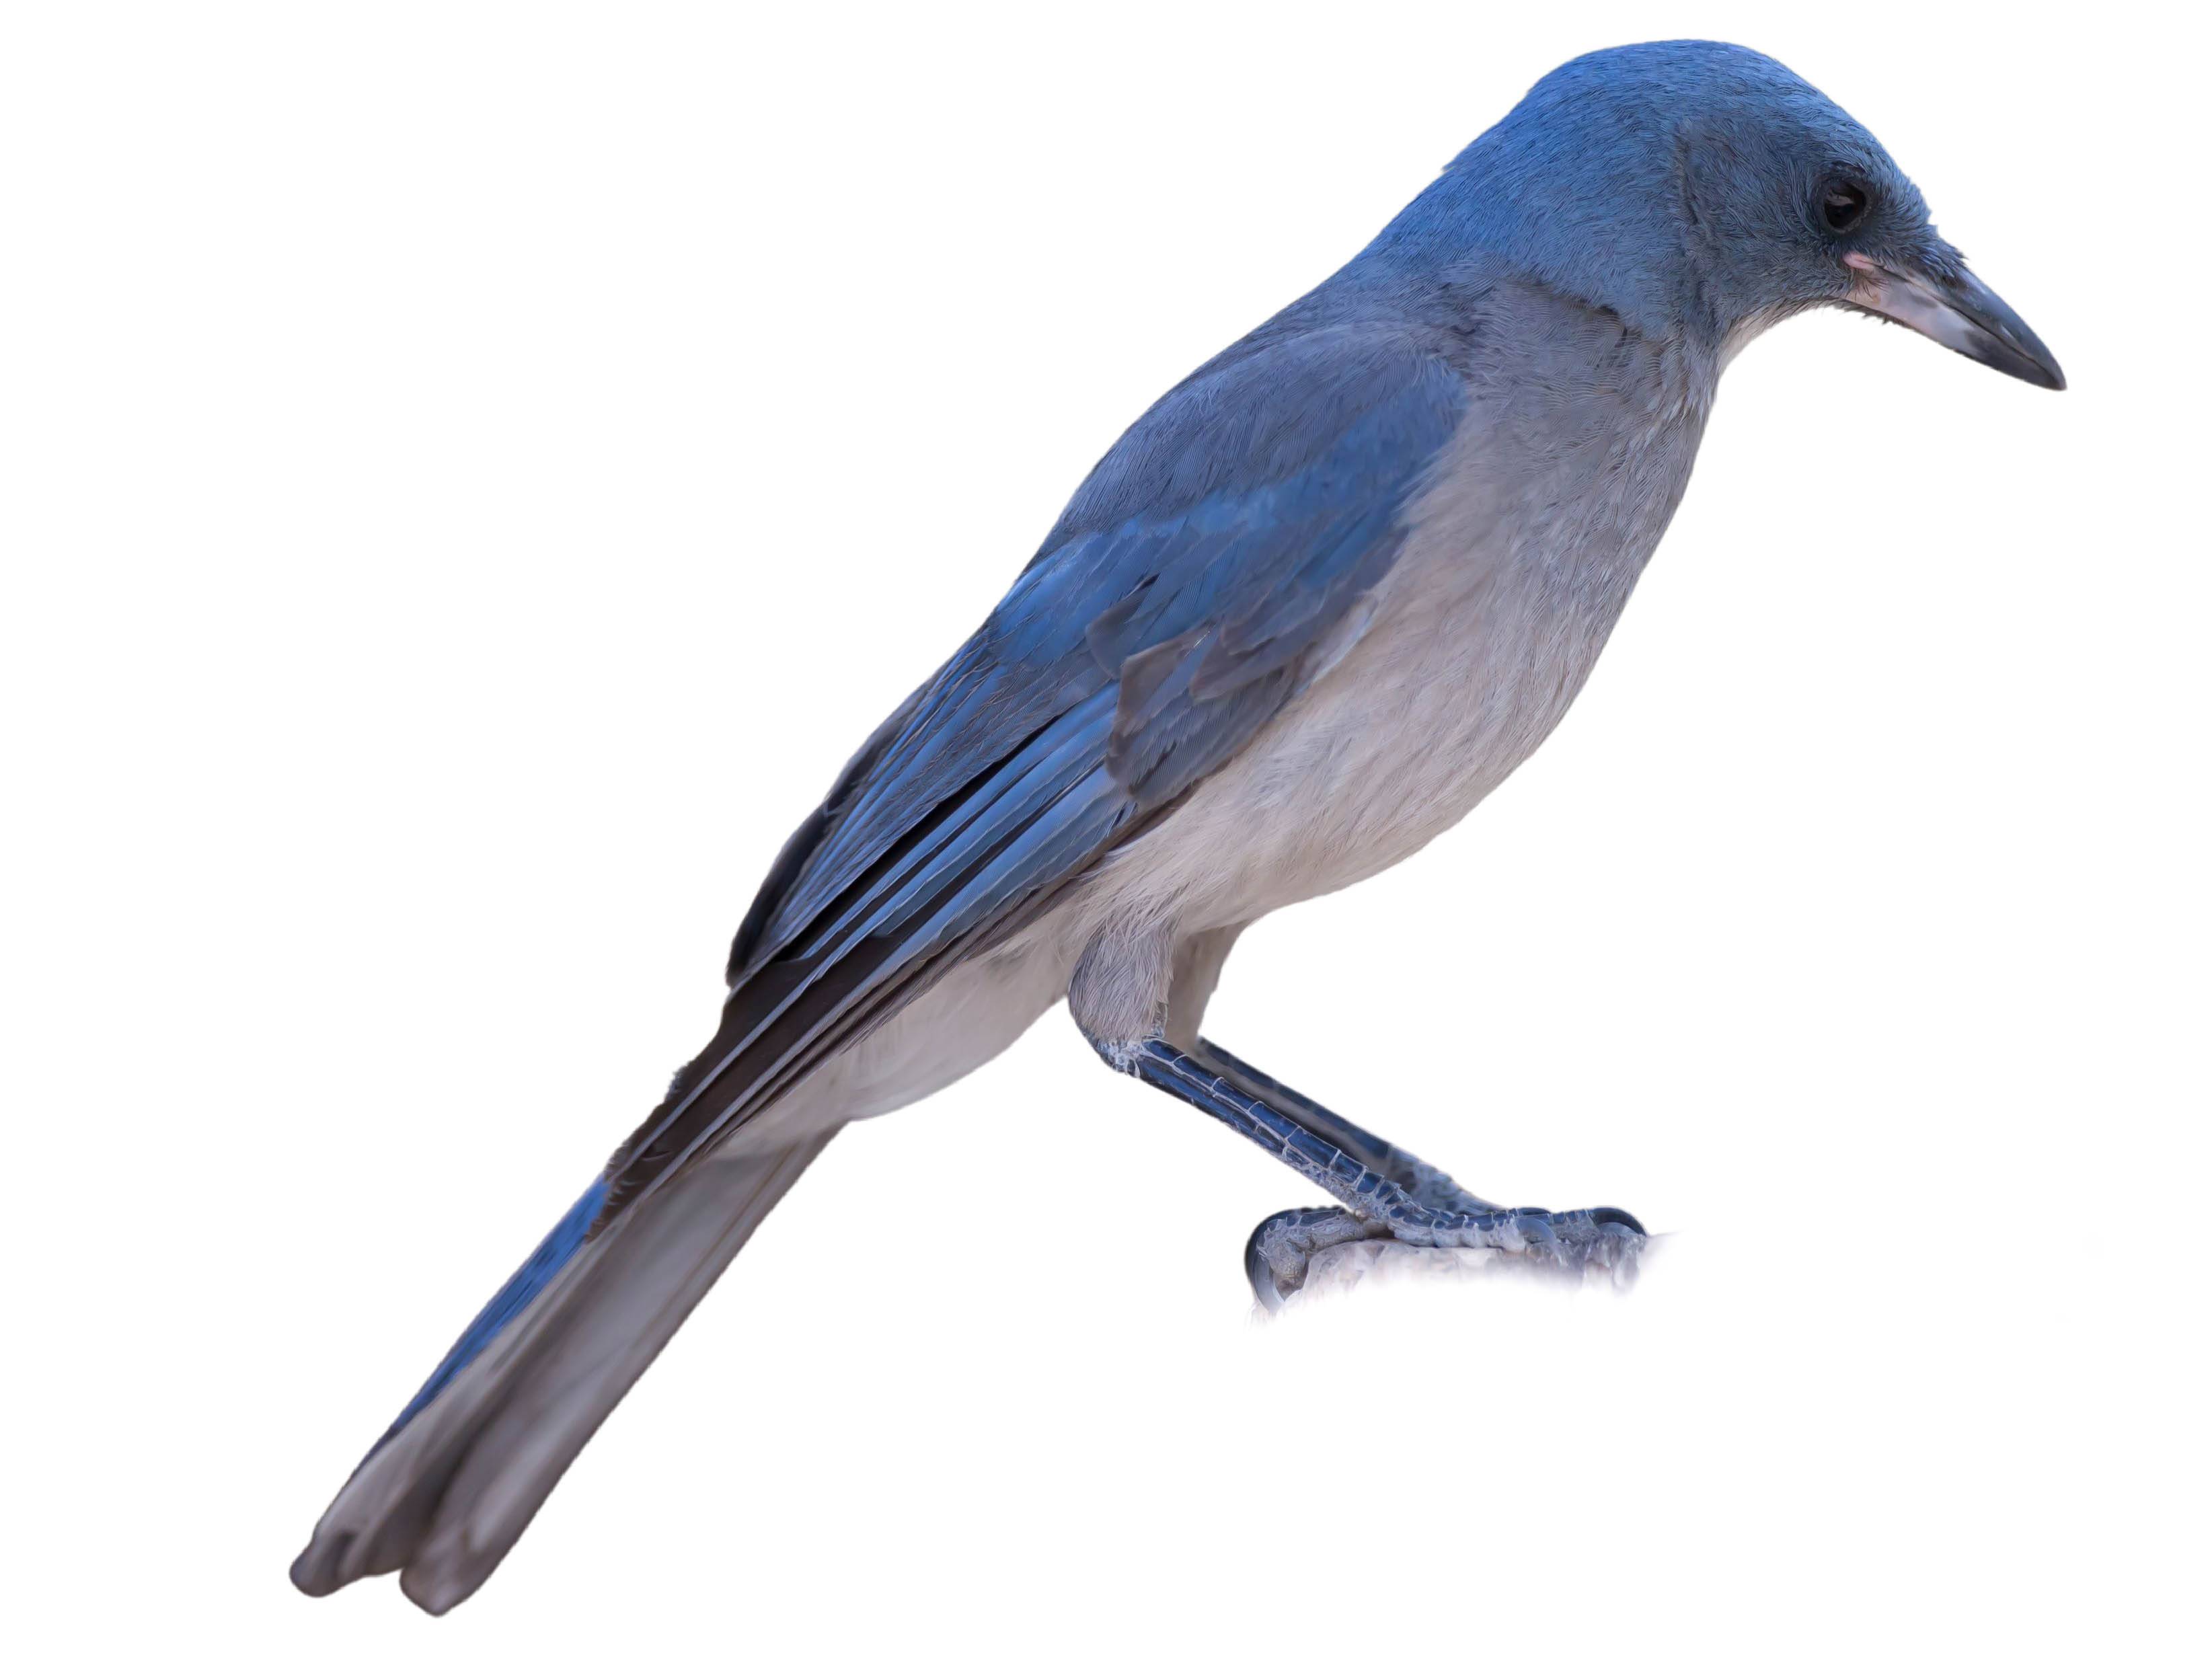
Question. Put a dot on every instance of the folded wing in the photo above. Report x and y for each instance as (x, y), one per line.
(1180, 602)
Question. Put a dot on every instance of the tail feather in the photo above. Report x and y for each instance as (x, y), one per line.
(453, 1484)
(514, 1297)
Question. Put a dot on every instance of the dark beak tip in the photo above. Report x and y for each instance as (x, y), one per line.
(1955, 308)
(2028, 358)
(2019, 350)
(2035, 368)
(2041, 368)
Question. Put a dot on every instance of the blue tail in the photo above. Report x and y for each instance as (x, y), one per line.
(519, 1292)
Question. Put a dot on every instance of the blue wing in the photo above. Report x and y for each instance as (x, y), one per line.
(1174, 608)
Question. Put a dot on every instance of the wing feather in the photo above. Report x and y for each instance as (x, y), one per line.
(1182, 600)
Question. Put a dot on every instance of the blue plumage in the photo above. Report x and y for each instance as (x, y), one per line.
(1532, 341)
(1244, 560)
(1168, 617)
(521, 1289)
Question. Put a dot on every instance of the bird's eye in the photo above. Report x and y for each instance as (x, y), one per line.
(1843, 206)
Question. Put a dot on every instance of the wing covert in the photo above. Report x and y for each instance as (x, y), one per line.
(1177, 606)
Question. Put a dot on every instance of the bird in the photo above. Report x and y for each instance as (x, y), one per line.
(1311, 608)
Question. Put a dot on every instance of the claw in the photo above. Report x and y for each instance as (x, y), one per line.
(1271, 1286)
(1283, 1247)
(1281, 1250)
(1535, 1230)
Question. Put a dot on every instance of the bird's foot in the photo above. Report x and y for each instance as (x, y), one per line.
(1574, 1243)
(1283, 1247)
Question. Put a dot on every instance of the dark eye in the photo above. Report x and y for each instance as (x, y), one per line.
(1843, 206)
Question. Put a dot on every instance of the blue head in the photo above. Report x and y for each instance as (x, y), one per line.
(1702, 190)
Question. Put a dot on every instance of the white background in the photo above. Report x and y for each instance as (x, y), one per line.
(470, 475)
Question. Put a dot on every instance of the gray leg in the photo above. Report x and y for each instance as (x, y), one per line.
(1138, 995)
(1427, 1184)
(1283, 1246)
(1383, 1193)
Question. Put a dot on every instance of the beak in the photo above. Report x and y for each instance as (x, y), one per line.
(1957, 312)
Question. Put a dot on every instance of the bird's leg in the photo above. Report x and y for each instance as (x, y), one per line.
(1383, 1193)
(1425, 1182)
(1280, 1249)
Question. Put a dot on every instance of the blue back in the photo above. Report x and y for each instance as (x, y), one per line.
(1186, 592)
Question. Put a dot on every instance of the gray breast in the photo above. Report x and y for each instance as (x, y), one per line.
(1524, 547)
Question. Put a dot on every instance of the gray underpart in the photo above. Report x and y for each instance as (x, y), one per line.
(1316, 603)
